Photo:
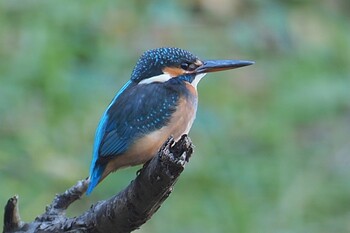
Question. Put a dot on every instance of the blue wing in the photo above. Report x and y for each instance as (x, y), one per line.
(96, 172)
(132, 113)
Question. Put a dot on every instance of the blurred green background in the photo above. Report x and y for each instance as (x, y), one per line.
(272, 140)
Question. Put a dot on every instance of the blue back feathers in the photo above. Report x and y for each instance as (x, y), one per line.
(132, 114)
(96, 172)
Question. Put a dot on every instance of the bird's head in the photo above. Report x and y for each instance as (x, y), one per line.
(163, 64)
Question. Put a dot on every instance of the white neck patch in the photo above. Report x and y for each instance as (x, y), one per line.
(165, 77)
(159, 78)
(197, 79)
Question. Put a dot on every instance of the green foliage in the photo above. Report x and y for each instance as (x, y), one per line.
(272, 140)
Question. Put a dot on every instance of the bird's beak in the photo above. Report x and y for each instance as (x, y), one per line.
(219, 65)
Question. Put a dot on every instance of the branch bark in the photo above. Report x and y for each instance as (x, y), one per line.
(124, 212)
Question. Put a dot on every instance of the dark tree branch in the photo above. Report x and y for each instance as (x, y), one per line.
(124, 212)
(12, 220)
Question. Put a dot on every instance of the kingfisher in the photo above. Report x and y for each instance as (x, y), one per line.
(160, 100)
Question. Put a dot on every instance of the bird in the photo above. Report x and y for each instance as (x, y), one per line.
(160, 100)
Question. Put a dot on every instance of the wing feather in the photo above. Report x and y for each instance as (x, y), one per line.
(135, 113)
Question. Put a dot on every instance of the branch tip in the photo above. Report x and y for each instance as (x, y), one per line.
(12, 219)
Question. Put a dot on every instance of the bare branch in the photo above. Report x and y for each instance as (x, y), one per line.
(124, 212)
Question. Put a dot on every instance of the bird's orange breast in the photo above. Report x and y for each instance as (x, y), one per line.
(144, 148)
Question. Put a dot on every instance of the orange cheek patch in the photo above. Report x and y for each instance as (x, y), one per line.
(173, 71)
(198, 63)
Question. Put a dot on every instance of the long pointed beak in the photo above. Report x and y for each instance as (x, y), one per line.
(219, 65)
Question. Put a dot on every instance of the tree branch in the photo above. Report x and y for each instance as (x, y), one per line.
(124, 212)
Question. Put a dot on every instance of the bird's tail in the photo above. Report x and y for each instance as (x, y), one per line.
(95, 177)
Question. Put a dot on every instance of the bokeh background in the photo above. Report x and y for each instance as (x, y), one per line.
(272, 140)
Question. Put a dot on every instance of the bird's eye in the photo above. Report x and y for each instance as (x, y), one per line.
(188, 66)
(184, 66)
